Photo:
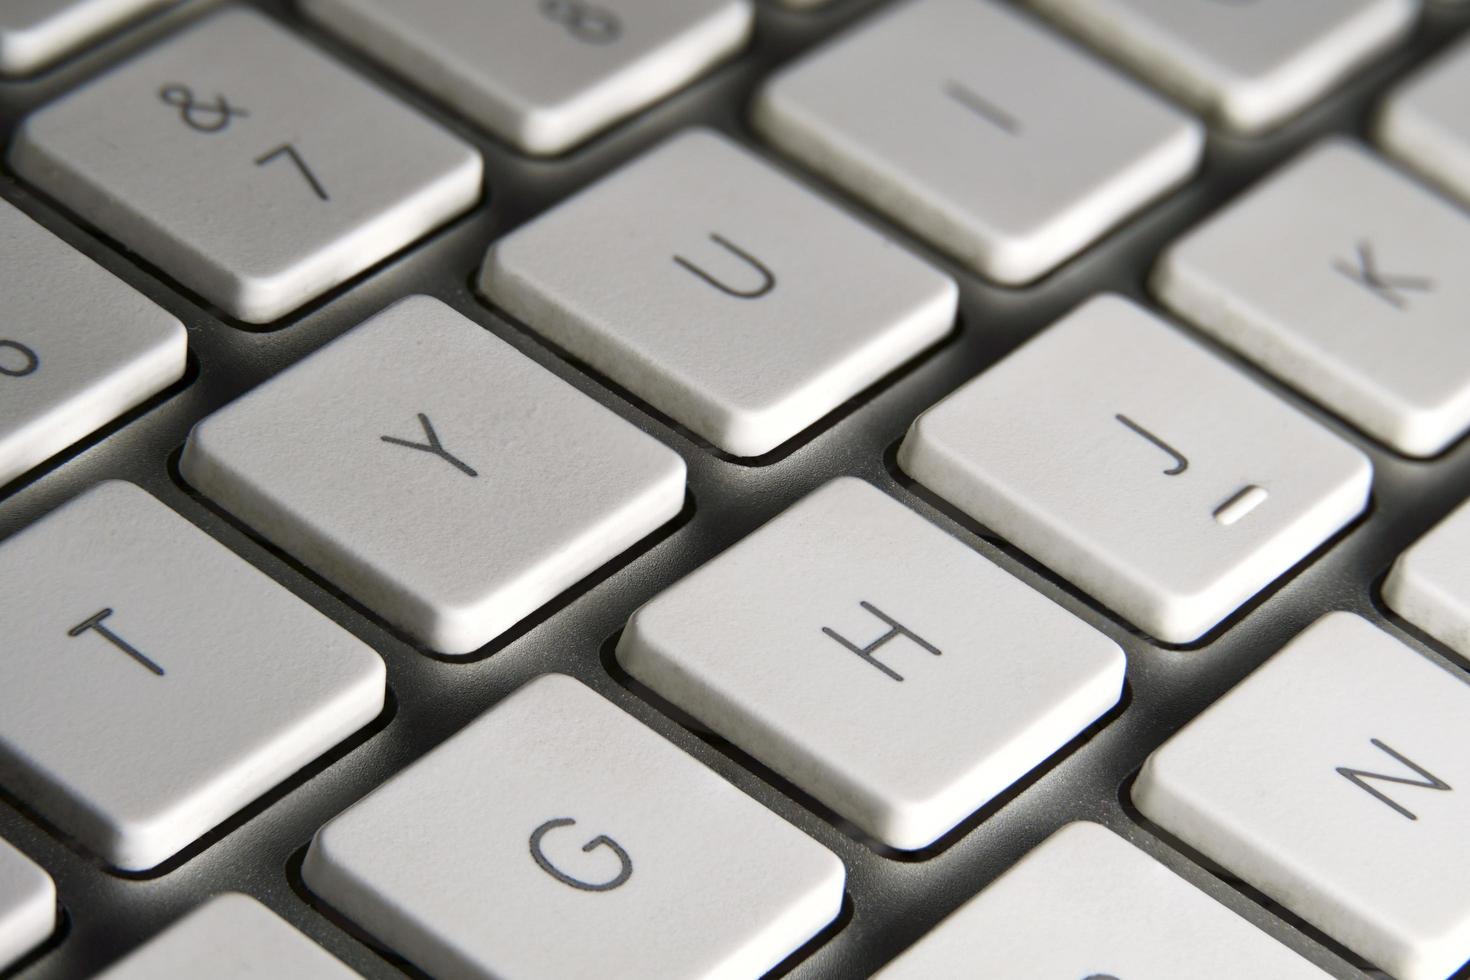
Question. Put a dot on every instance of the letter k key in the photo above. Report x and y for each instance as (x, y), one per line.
(1386, 286)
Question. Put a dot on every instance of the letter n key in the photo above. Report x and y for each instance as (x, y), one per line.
(1425, 780)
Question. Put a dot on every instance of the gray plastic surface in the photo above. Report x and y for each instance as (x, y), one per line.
(893, 900)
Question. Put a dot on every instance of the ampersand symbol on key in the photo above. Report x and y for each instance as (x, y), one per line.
(586, 23)
(200, 116)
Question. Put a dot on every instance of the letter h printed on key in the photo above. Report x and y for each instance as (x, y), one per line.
(895, 631)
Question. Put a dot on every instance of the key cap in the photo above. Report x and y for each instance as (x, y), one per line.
(230, 937)
(1342, 277)
(435, 474)
(1430, 583)
(1426, 122)
(1334, 780)
(556, 837)
(35, 33)
(78, 347)
(1086, 904)
(969, 152)
(155, 683)
(259, 190)
(1249, 65)
(797, 307)
(1131, 461)
(876, 662)
(27, 905)
(544, 75)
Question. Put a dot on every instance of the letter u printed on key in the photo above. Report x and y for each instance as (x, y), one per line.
(765, 278)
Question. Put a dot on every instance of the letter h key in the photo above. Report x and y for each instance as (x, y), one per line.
(895, 630)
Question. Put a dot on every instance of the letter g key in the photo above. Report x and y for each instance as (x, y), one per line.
(602, 840)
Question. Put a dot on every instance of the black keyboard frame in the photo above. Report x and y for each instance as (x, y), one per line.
(892, 898)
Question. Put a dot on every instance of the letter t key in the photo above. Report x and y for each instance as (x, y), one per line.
(94, 622)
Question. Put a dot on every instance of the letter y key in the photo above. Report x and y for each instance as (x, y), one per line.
(434, 447)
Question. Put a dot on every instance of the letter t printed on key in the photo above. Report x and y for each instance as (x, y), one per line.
(95, 621)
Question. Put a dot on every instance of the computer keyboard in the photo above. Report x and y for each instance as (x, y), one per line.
(693, 488)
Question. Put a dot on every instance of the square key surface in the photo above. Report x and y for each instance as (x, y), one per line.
(230, 937)
(1087, 905)
(1134, 462)
(247, 164)
(1426, 121)
(27, 905)
(544, 76)
(78, 346)
(154, 682)
(556, 837)
(721, 291)
(1336, 780)
(443, 479)
(1429, 585)
(875, 661)
(35, 33)
(1250, 65)
(1345, 278)
(980, 129)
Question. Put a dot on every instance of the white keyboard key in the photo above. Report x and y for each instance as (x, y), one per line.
(27, 905)
(1140, 466)
(557, 837)
(544, 75)
(931, 112)
(1335, 780)
(1087, 904)
(1430, 583)
(1344, 278)
(257, 189)
(435, 474)
(797, 306)
(232, 937)
(154, 682)
(78, 347)
(1426, 122)
(35, 33)
(1250, 65)
(876, 662)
